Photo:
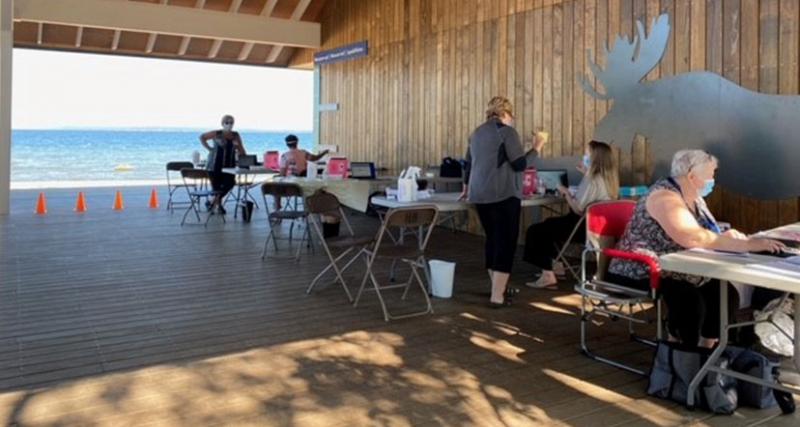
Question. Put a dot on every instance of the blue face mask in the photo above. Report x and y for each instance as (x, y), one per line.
(587, 161)
(708, 187)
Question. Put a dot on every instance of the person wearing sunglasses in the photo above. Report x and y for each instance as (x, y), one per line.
(223, 145)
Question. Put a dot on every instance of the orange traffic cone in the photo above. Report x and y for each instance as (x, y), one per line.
(80, 205)
(41, 205)
(119, 205)
(154, 199)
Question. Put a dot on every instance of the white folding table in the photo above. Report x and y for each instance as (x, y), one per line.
(750, 269)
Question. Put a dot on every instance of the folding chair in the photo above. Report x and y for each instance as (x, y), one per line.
(197, 182)
(290, 211)
(173, 187)
(322, 203)
(605, 224)
(413, 255)
(562, 252)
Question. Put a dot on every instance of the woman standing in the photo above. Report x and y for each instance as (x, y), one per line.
(493, 183)
(222, 154)
(600, 182)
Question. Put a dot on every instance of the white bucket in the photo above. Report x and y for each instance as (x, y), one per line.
(442, 273)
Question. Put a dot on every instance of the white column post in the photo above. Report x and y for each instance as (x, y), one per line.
(317, 98)
(6, 53)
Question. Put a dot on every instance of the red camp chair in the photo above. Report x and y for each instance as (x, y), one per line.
(605, 225)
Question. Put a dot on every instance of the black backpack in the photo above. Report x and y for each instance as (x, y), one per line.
(450, 168)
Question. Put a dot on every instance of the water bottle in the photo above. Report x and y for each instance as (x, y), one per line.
(311, 170)
(196, 158)
(540, 188)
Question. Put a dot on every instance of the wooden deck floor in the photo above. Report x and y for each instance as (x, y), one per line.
(125, 318)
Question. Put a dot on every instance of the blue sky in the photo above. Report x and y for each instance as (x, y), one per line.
(54, 90)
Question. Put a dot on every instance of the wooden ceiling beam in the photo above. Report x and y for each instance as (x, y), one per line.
(186, 40)
(151, 39)
(299, 10)
(172, 20)
(269, 6)
(79, 37)
(217, 44)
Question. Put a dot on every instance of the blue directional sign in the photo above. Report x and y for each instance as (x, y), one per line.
(344, 53)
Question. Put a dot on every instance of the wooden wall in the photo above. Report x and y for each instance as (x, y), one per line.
(433, 65)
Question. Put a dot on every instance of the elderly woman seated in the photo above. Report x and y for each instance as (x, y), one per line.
(674, 217)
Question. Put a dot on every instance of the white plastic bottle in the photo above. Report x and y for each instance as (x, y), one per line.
(311, 170)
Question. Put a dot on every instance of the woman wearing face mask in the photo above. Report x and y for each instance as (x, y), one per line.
(671, 218)
(493, 183)
(222, 154)
(600, 182)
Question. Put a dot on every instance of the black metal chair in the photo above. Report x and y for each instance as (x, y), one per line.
(172, 186)
(197, 182)
(293, 210)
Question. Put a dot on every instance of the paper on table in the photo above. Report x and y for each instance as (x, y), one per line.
(716, 252)
(784, 265)
(782, 234)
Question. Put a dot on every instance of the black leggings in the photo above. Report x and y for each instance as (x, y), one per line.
(692, 311)
(500, 221)
(222, 182)
(541, 239)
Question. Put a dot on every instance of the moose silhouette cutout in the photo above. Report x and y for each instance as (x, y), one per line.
(754, 135)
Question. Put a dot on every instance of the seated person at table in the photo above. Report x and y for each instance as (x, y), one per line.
(671, 218)
(600, 182)
(295, 161)
(222, 154)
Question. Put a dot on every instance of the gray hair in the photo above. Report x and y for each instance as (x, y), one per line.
(225, 117)
(685, 160)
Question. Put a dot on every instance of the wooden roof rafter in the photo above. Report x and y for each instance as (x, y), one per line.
(231, 31)
(299, 10)
(247, 48)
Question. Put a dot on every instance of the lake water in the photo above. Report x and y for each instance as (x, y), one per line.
(91, 156)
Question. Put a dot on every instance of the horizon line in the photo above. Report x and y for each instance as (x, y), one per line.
(156, 128)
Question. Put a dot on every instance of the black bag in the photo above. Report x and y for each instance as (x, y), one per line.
(330, 229)
(755, 364)
(674, 367)
(450, 168)
(247, 211)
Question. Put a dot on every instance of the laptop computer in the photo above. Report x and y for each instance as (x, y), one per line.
(362, 170)
(246, 161)
(551, 178)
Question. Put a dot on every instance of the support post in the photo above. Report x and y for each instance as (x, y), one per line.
(317, 97)
(6, 53)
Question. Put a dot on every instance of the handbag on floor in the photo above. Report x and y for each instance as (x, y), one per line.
(674, 367)
(755, 364)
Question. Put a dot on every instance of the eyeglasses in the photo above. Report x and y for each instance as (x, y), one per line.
(227, 123)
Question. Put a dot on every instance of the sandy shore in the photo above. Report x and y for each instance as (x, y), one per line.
(39, 185)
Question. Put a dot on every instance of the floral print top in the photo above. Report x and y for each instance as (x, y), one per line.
(644, 235)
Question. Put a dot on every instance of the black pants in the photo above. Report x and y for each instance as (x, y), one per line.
(222, 182)
(500, 223)
(692, 311)
(542, 238)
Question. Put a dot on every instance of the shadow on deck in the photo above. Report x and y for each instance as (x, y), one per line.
(125, 318)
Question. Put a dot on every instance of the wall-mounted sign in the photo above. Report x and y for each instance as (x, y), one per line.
(344, 53)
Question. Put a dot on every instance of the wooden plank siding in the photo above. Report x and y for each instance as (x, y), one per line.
(434, 64)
